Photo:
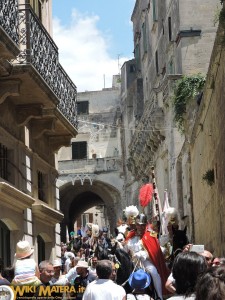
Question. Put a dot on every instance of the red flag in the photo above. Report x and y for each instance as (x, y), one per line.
(145, 194)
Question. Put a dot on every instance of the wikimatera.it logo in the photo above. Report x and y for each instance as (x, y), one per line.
(14, 292)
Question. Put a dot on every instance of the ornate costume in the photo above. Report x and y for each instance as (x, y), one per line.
(147, 251)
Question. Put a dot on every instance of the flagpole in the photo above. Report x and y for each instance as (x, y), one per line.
(155, 195)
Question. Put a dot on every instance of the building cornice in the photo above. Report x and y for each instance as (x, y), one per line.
(14, 198)
(44, 213)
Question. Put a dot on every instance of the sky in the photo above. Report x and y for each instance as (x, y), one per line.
(94, 38)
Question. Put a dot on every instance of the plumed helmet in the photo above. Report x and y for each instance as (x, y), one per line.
(131, 213)
(141, 219)
(171, 215)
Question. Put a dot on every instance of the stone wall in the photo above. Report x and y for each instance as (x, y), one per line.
(207, 153)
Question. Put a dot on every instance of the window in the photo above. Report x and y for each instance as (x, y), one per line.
(171, 68)
(83, 108)
(144, 37)
(137, 56)
(28, 173)
(37, 7)
(7, 166)
(4, 163)
(5, 244)
(79, 150)
(41, 249)
(170, 29)
(132, 69)
(154, 10)
(156, 63)
(41, 186)
(84, 219)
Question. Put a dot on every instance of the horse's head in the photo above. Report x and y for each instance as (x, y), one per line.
(121, 232)
(180, 238)
(122, 228)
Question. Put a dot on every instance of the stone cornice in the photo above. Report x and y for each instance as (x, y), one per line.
(9, 88)
(14, 198)
(44, 213)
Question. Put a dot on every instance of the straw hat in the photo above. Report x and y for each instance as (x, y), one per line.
(82, 264)
(139, 279)
(23, 249)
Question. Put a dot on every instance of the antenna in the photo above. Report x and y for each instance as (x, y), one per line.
(104, 80)
(118, 58)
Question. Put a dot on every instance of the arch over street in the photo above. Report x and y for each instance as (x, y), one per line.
(76, 199)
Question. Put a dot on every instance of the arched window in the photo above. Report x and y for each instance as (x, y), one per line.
(41, 249)
(5, 244)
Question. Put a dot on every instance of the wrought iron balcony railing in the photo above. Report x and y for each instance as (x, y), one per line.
(9, 18)
(39, 50)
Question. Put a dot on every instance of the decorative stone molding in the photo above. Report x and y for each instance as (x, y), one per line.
(146, 140)
(61, 119)
(9, 88)
(39, 127)
(76, 177)
(44, 213)
(5, 67)
(58, 141)
(14, 198)
(27, 112)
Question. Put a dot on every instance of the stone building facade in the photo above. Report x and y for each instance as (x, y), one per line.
(38, 116)
(171, 38)
(207, 150)
(90, 170)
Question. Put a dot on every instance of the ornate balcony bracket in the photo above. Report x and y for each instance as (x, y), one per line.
(14, 198)
(39, 127)
(27, 112)
(5, 67)
(56, 142)
(9, 88)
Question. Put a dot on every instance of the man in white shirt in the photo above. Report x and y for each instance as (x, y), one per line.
(103, 287)
(58, 278)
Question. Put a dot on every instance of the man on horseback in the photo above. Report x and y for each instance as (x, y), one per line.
(145, 251)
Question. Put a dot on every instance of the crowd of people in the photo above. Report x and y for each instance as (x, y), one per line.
(88, 264)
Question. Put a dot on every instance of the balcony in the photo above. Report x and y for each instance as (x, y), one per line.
(146, 139)
(9, 37)
(88, 166)
(44, 92)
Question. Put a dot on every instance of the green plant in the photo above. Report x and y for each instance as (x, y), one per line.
(209, 177)
(186, 88)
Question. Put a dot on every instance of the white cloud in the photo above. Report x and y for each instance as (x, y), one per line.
(83, 52)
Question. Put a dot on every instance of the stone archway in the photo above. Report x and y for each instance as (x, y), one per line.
(76, 199)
